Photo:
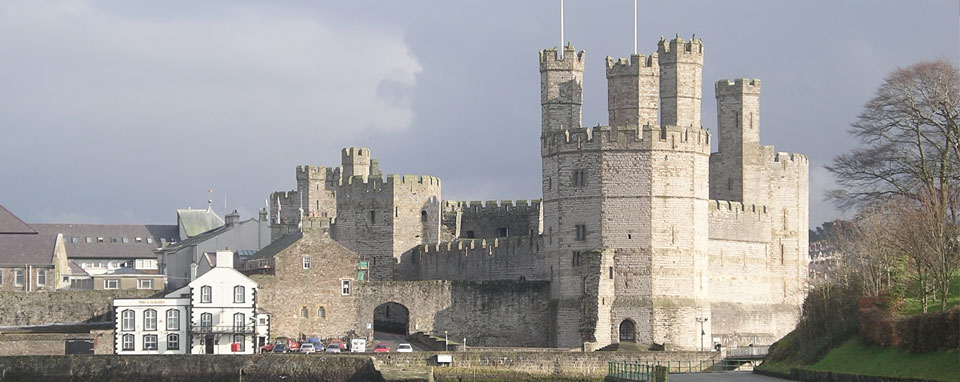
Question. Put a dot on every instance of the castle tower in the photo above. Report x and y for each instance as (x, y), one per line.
(681, 81)
(633, 90)
(356, 161)
(738, 125)
(561, 88)
(311, 184)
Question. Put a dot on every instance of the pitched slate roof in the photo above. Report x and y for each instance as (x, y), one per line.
(276, 246)
(21, 249)
(11, 224)
(195, 222)
(75, 239)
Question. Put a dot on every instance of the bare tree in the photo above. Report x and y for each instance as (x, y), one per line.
(929, 228)
(910, 138)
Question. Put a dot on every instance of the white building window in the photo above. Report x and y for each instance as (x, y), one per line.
(173, 342)
(18, 277)
(150, 319)
(149, 240)
(128, 319)
(145, 284)
(238, 322)
(139, 240)
(111, 284)
(306, 263)
(127, 342)
(150, 342)
(206, 321)
(345, 287)
(146, 264)
(41, 277)
(173, 319)
(206, 294)
(239, 293)
(239, 340)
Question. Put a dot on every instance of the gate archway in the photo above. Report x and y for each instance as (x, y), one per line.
(392, 318)
(628, 331)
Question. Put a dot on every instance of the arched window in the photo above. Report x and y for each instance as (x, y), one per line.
(149, 319)
(206, 294)
(238, 293)
(304, 313)
(628, 331)
(173, 319)
(173, 342)
(150, 342)
(321, 313)
(423, 215)
(128, 342)
(206, 321)
(128, 319)
(238, 322)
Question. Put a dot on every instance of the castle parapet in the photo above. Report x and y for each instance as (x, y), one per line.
(644, 138)
(571, 60)
(377, 183)
(739, 222)
(637, 64)
(738, 86)
(677, 47)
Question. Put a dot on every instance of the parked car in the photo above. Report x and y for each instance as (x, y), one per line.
(333, 348)
(266, 348)
(280, 348)
(404, 348)
(340, 343)
(292, 344)
(381, 348)
(308, 348)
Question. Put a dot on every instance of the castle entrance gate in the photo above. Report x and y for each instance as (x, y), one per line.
(391, 318)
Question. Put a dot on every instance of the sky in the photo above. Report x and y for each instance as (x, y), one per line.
(123, 111)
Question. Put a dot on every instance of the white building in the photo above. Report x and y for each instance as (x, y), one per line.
(214, 314)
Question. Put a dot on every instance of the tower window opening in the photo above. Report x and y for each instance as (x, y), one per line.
(581, 232)
(579, 178)
(373, 216)
(423, 216)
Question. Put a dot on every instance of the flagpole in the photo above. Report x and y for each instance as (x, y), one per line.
(635, 16)
(561, 29)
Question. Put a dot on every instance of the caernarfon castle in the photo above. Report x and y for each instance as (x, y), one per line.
(642, 234)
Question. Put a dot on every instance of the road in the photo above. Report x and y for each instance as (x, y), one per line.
(733, 376)
(392, 340)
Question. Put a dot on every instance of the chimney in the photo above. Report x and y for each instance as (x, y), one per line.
(224, 259)
(232, 219)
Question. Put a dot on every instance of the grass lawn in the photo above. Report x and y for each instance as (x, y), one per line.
(854, 357)
(911, 305)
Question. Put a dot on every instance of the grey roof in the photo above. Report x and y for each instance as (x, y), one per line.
(196, 239)
(195, 222)
(76, 270)
(276, 246)
(108, 249)
(11, 224)
(33, 249)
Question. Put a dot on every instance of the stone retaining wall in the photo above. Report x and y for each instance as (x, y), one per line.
(175, 368)
(22, 308)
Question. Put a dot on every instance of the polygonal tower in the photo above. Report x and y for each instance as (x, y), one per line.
(681, 81)
(633, 90)
(561, 88)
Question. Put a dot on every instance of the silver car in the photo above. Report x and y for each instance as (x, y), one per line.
(333, 348)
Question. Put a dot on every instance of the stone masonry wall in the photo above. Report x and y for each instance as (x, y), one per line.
(69, 306)
(511, 258)
(478, 220)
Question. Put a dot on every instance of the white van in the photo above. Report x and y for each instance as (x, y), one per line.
(358, 345)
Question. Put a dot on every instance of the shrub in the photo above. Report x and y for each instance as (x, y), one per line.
(928, 332)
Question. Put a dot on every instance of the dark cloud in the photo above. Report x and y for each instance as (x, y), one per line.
(122, 112)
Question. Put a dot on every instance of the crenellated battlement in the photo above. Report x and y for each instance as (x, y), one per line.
(378, 183)
(675, 138)
(305, 172)
(677, 48)
(738, 86)
(493, 206)
(636, 65)
(460, 245)
(571, 60)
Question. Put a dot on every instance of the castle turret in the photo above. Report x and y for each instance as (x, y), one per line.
(356, 161)
(738, 121)
(561, 88)
(633, 90)
(681, 81)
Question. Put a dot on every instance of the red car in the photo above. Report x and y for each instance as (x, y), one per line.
(341, 344)
(381, 348)
(266, 348)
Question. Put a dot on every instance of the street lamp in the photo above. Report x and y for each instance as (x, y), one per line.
(446, 342)
(701, 320)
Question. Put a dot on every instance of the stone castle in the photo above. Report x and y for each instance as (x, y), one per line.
(642, 233)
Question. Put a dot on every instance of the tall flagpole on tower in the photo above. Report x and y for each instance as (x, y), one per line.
(561, 29)
(635, 16)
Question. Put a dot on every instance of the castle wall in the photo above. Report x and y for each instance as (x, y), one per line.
(512, 258)
(416, 211)
(365, 209)
(478, 220)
